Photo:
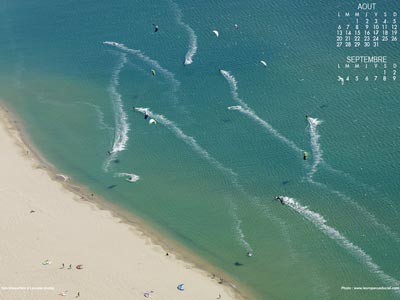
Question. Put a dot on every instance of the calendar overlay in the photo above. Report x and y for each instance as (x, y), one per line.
(363, 27)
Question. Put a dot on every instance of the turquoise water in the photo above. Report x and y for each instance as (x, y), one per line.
(208, 174)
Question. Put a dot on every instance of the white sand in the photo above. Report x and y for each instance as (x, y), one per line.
(119, 262)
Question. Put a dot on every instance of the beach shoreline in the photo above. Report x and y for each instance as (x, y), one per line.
(82, 199)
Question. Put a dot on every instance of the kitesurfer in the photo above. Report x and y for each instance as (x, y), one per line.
(146, 115)
(305, 155)
(280, 199)
(155, 27)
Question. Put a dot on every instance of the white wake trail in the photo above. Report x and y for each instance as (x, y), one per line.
(155, 64)
(100, 116)
(192, 35)
(320, 222)
(189, 141)
(121, 119)
(249, 113)
(129, 176)
(318, 159)
(246, 110)
(315, 146)
(233, 85)
(282, 226)
(354, 181)
(205, 155)
(239, 231)
(371, 217)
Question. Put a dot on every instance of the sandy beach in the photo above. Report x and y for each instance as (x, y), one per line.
(44, 225)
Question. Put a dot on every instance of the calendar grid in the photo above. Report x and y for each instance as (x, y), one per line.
(362, 28)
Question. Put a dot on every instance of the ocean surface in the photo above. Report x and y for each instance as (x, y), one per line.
(206, 175)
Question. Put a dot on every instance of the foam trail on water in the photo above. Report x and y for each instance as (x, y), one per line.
(239, 231)
(190, 141)
(200, 151)
(129, 176)
(320, 222)
(360, 184)
(372, 218)
(283, 227)
(266, 125)
(192, 35)
(155, 64)
(318, 158)
(315, 146)
(100, 116)
(121, 119)
(246, 110)
(319, 286)
(233, 85)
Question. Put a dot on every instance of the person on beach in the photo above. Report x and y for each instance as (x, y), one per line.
(77, 295)
(219, 296)
(148, 294)
(62, 267)
(70, 267)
